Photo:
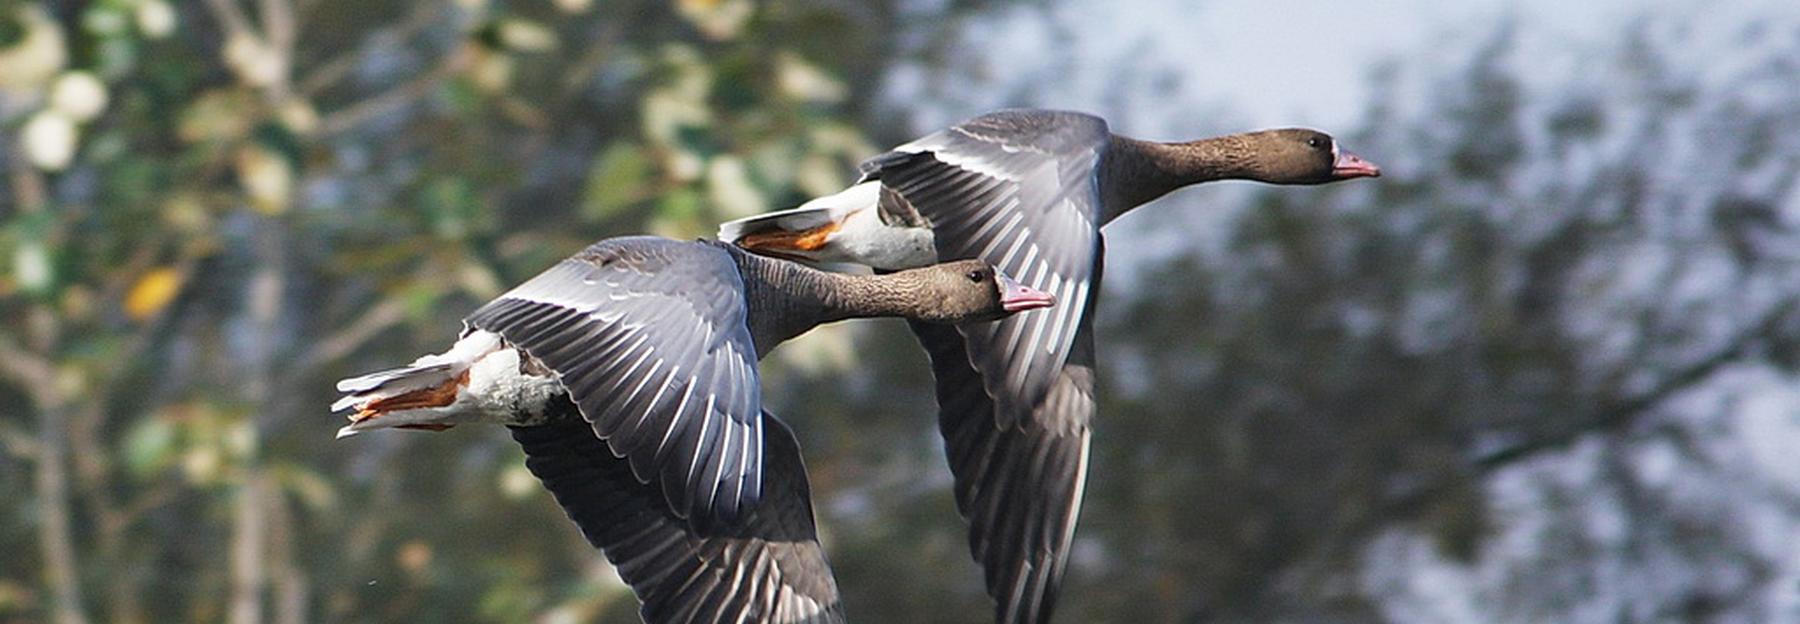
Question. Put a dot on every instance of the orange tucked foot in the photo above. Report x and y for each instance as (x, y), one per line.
(776, 241)
(436, 396)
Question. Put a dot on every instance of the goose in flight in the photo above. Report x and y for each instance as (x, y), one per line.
(1029, 191)
(628, 374)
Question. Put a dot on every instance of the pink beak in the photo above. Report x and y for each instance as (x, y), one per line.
(1348, 165)
(1016, 297)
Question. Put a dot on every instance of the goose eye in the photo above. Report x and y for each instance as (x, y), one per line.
(1315, 142)
(976, 275)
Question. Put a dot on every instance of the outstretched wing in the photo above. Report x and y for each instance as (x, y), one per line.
(648, 336)
(1016, 189)
(766, 567)
(1015, 397)
(1019, 487)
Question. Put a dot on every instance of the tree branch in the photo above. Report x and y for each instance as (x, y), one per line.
(18, 443)
(33, 365)
(582, 70)
(247, 546)
(33, 374)
(291, 587)
(264, 301)
(230, 15)
(402, 94)
(1618, 416)
(1623, 413)
(377, 319)
(281, 30)
(334, 70)
(53, 531)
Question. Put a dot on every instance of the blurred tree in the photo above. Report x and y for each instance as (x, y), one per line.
(1510, 330)
(1508, 381)
(214, 209)
(1522, 360)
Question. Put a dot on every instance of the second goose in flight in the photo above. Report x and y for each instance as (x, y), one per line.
(1027, 190)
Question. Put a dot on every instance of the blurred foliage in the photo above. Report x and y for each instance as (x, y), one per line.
(1499, 352)
(212, 210)
(1550, 275)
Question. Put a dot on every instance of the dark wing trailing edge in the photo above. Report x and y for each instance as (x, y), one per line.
(1019, 487)
(767, 567)
(648, 336)
(1015, 396)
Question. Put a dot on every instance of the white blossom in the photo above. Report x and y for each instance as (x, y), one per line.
(155, 18)
(79, 95)
(50, 138)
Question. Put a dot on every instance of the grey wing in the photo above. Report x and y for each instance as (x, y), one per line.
(1020, 487)
(1015, 397)
(766, 567)
(648, 336)
(1015, 188)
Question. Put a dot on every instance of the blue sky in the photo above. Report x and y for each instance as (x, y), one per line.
(1242, 63)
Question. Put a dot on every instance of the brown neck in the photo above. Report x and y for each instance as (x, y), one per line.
(787, 299)
(1136, 172)
(872, 296)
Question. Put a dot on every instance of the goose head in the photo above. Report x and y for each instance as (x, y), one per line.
(969, 290)
(1302, 156)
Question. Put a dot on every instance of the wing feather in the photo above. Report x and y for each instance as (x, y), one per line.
(767, 567)
(1015, 396)
(648, 335)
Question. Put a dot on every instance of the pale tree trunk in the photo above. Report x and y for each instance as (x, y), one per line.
(35, 371)
(265, 299)
(53, 502)
(250, 548)
(291, 589)
(247, 547)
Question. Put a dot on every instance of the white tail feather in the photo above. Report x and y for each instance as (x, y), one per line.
(810, 215)
(485, 382)
(426, 372)
(371, 381)
(391, 383)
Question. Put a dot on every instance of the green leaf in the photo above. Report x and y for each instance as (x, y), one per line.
(421, 300)
(617, 180)
(33, 262)
(106, 20)
(678, 205)
(12, 28)
(452, 208)
(281, 140)
(115, 57)
(149, 447)
(311, 488)
(699, 140)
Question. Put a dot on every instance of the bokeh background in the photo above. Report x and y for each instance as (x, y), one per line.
(1547, 368)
